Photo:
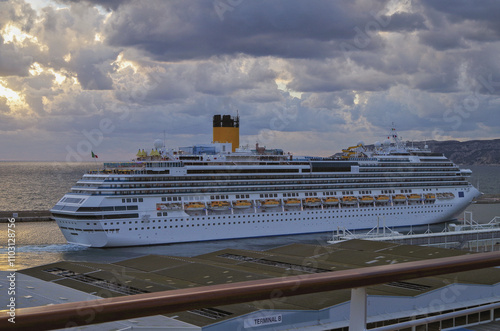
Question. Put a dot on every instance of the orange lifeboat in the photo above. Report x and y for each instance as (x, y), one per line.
(331, 201)
(219, 205)
(312, 202)
(242, 204)
(366, 199)
(194, 206)
(270, 203)
(399, 198)
(292, 202)
(382, 199)
(349, 200)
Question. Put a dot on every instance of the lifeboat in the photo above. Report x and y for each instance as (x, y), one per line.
(331, 201)
(382, 199)
(430, 197)
(366, 199)
(399, 198)
(414, 197)
(242, 204)
(168, 206)
(312, 202)
(270, 203)
(349, 200)
(446, 195)
(193, 206)
(161, 206)
(219, 205)
(292, 202)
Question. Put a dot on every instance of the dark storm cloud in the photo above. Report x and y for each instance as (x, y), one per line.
(485, 10)
(106, 4)
(12, 61)
(482, 16)
(400, 22)
(443, 40)
(177, 30)
(92, 67)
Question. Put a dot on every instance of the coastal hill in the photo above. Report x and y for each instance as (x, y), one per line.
(472, 152)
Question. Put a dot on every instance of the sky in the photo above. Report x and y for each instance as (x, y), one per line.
(310, 77)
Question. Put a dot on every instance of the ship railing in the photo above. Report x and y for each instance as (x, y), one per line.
(113, 165)
(358, 279)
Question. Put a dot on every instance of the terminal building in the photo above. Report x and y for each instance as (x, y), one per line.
(390, 303)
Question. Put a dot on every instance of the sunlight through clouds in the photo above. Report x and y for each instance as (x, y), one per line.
(122, 64)
(15, 100)
(12, 34)
(35, 69)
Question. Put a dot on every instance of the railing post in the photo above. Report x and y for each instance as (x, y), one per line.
(357, 319)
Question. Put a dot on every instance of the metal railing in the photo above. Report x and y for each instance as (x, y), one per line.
(140, 305)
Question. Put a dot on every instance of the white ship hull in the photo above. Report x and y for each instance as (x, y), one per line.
(179, 226)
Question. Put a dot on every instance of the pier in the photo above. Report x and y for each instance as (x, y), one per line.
(470, 236)
(26, 216)
(488, 198)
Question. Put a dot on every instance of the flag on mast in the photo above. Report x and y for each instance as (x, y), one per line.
(93, 155)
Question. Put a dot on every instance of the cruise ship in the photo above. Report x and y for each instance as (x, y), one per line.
(223, 191)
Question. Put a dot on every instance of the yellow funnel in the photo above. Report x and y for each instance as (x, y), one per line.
(227, 130)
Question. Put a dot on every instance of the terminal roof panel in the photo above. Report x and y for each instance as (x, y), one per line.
(158, 273)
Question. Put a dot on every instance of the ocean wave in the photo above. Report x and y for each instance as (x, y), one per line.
(49, 248)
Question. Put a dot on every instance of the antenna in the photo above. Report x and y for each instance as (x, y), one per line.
(394, 135)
